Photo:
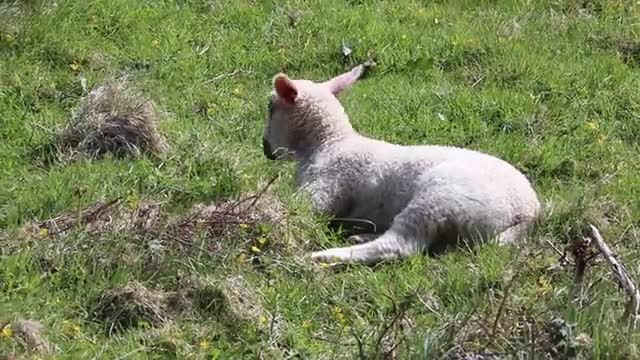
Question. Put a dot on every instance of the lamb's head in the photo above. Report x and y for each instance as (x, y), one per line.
(304, 115)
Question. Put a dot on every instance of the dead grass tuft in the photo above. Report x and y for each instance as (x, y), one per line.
(114, 119)
(100, 217)
(131, 306)
(216, 220)
(627, 49)
(31, 333)
(231, 300)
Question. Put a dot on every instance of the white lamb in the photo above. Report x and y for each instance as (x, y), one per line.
(418, 198)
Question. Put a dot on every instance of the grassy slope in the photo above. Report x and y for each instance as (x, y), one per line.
(553, 95)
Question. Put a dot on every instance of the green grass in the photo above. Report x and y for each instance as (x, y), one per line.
(551, 86)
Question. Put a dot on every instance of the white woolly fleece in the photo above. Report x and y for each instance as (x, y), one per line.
(418, 198)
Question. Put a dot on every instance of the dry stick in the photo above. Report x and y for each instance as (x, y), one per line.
(563, 256)
(86, 218)
(222, 76)
(507, 292)
(264, 190)
(633, 306)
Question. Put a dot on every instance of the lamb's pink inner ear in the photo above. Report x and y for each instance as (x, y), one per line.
(341, 82)
(285, 88)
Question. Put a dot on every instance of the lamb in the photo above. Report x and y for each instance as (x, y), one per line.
(418, 198)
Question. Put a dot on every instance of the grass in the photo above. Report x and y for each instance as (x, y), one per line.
(551, 86)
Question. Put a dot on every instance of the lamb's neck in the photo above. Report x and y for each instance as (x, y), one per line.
(325, 133)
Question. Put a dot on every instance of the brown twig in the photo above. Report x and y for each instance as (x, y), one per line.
(263, 191)
(563, 255)
(85, 218)
(507, 291)
(620, 272)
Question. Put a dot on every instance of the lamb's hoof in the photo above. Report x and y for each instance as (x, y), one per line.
(325, 256)
(328, 261)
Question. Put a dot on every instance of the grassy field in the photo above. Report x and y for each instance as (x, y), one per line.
(551, 86)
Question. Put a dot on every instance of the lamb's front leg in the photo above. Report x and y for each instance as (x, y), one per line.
(328, 198)
(389, 246)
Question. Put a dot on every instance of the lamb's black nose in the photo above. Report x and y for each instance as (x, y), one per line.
(266, 147)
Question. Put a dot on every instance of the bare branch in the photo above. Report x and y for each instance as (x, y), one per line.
(633, 306)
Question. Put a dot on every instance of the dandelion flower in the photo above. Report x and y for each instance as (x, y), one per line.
(204, 345)
(255, 249)
(7, 331)
(339, 314)
(44, 232)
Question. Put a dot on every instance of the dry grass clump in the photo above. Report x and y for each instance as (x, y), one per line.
(100, 217)
(28, 332)
(242, 302)
(31, 332)
(131, 306)
(231, 301)
(225, 218)
(216, 220)
(114, 119)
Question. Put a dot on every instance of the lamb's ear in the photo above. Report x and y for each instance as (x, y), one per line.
(285, 88)
(341, 82)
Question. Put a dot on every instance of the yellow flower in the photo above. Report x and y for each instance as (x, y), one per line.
(204, 345)
(255, 249)
(74, 66)
(592, 125)
(155, 43)
(263, 320)
(44, 232)
(7, 331)
(339, 314)
(544, 285)
(262, 240)
(238, 92)
(244, 226)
